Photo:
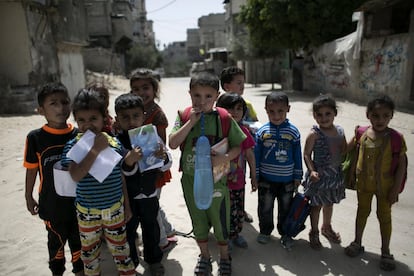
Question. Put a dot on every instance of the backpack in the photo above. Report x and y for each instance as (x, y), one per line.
(298, 212)
(349, 164)
(225, 121)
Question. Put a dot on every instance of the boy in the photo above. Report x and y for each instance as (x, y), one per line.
(141, 186)
(204, 88)
(102, 207)
(43, 149)
(232, 80)
(278, 166)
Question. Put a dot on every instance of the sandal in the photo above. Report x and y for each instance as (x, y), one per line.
(157, 269)
(330, 234)
(354, 249)
(203, 267)
(224, 268)
(314, 240)
(387, 262)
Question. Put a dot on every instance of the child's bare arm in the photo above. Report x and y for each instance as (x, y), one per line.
(31, 203)
(177, 138)
(79, 171)
(251, 161)
(127, 206)
(307, 156)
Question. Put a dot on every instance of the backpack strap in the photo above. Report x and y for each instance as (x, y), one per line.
(396, 144)
(224, 120)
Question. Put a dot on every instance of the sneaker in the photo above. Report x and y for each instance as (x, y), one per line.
(287, 242)
(230, 246)
(239, 241)
(157, 269)
(263, 239)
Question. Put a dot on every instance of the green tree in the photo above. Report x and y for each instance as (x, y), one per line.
(297, 24)
(140, 55)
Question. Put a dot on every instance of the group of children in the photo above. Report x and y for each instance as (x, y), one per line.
(128, 197)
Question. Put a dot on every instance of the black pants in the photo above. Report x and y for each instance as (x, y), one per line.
(268, 192)
(58, 233)
(145, 211)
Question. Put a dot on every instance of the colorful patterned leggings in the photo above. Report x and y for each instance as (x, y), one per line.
(236, 212)
(111, 223)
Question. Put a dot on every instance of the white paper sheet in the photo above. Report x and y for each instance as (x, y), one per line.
(104, 162)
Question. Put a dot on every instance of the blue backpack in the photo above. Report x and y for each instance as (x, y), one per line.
(298, 212)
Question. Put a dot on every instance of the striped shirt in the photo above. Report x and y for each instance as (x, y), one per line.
(278, 153)
(90, 193)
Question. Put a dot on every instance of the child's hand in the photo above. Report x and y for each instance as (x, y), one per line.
(100, 143)
(160, 153)
(314, 176)
(393, 196)
(217, 159)
(254, 184)
(128, 212)
(133, 156)
(32, 206)
(195, 114)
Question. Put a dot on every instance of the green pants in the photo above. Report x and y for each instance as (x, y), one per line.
(217, 216)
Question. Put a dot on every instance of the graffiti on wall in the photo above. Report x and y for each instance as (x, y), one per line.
(327, 74)
(383, 66)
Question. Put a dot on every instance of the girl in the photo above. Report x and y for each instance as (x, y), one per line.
(102, 208)
(144, 83)
(374, 177)
(236, 181)
(324, 183)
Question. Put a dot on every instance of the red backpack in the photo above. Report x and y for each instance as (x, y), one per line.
(396, 145)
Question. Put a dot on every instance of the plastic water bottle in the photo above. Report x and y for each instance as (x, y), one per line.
(203, 173)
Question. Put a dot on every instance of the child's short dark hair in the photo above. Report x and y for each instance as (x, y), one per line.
(102, 90)
(205, 79)
(381, 100)
(49, 89)
(276, 97)
(229, 100)
(144, 73)
(324, 101)
(228, 74)
(128, 101)
(89, 99)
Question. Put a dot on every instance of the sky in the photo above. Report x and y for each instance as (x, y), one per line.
(172, 18)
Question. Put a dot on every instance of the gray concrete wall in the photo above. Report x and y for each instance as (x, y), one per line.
(15, 56)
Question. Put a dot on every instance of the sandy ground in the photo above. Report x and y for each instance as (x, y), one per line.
(23, 237)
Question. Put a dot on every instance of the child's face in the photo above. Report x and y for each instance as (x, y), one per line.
(236, 85)
(277, 111)
(324, 117)
(144, 89)
(56, 109)
(380, 117)
(203, 98)
(89, 119)
(130, 118)
(236, 112)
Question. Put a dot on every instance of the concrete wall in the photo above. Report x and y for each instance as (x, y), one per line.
(102, 60)
(383, 65)
(15, 59)
(71, 68)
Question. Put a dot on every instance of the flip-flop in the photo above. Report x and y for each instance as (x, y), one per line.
(354, 249)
